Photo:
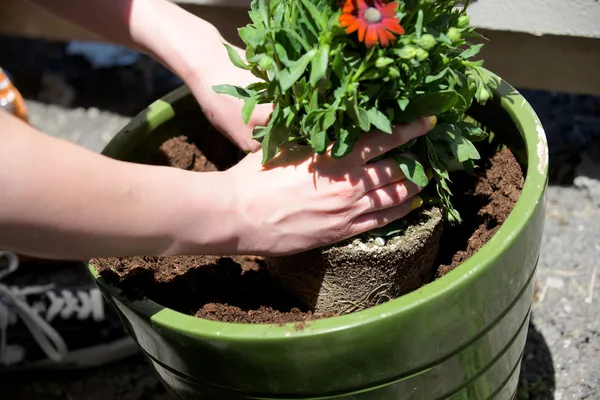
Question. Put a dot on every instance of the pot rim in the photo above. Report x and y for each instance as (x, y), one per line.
(532, 131)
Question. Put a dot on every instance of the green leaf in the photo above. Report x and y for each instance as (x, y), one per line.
(300, 89)
(328, 119)
(248, 109)
(318, 140)
(379, 120)
(234, 91)
(472, 132)
(464, 150)
(403, 103)
(471, 51)
(445, 39)
(444, 132)
(438, 76)
(259, 132)
(290, 75)
(413, 170)
(338, 65)
(432, 103)
(276, 134)
(346, 139)
(282, 55)
(288, 115)
(251, 36)
(258, 86)
(363, 119)
(235, 58)
(383, 62)
(419, 24)
(317, 15)
(263, 9)
(319, 65)
(313, 104)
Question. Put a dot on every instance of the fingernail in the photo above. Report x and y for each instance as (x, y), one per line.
(433, 121)
(416, 203)
(429, 173)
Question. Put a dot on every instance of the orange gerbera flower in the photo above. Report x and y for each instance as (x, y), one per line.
(375, 21)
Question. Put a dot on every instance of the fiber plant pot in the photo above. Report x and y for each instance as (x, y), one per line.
(459, 337)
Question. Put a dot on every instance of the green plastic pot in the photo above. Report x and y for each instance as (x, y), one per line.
(460, 337)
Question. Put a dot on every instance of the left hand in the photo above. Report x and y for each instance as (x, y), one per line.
(225, 112)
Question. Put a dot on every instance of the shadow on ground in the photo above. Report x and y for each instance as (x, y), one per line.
(537, 380)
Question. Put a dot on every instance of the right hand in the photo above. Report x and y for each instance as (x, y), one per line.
(300, 201)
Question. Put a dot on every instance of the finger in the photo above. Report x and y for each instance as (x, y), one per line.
(374, 144)
(261, 115)
(388, 196)
(380, 173)
(378, 219)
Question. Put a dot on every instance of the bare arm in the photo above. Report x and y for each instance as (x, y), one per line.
(191, 47)
(159, 28)
(61, 200)
(58, 200)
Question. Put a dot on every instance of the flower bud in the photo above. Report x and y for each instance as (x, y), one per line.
(265, 63)
(463, 21)
(483, 94)
(454, 35)
(407, 52)
(393, 72)
(427, 42)
(422, 54)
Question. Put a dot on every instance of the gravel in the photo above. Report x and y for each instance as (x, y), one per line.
(562, 356)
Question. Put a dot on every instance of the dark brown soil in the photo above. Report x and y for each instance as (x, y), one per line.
(239, 289)
(494, 192)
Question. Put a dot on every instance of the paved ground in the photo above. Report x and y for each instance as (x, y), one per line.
(563, 351)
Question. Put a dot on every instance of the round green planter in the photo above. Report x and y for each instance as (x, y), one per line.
(460, 337)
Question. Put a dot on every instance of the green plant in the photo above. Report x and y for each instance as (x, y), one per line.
(335, 70)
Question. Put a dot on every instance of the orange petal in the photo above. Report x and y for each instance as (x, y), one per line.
(362, 29)
(389, 10)
(371, 38)
(344, 22)
(348, 7)
(353, 27)
(393, 25)
(382, 35)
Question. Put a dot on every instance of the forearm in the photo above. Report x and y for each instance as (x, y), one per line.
(159, 28)
(62, 201)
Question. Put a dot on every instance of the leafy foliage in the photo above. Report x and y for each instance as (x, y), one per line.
(328, 88)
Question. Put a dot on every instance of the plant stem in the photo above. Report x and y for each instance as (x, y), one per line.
(468, 2)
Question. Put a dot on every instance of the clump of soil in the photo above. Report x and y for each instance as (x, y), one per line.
(493, 192)
(240, 289)
(182, 154)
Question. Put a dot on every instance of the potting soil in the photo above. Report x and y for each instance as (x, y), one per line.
(239, 289)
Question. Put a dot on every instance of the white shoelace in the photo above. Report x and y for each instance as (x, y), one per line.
(13, 304)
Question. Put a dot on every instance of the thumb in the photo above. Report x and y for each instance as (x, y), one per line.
(261, 114)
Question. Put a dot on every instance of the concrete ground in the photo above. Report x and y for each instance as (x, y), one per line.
(562, 357)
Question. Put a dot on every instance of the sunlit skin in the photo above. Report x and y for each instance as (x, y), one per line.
(375, 21)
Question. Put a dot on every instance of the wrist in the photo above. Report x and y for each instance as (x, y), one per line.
(204, 220)
(176, 38)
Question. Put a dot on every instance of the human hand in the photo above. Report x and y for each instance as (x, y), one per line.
(225, 112)
(301, 201)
